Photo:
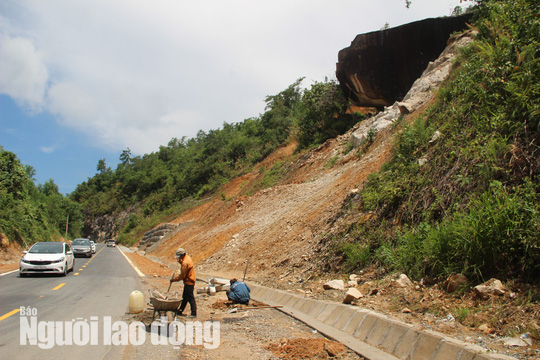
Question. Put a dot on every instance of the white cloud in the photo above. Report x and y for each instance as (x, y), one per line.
(47, 149)
(24, 75)
(76, 108)
(134, 73)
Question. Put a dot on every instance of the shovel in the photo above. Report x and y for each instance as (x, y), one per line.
(170, 283)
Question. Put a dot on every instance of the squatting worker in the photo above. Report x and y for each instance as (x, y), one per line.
(187, 274)
(238, 292)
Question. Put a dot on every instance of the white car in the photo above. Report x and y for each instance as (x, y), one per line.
(93, 245)
(111, 243)
(47, 258)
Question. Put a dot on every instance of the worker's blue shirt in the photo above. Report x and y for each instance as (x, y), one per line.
(239, 292)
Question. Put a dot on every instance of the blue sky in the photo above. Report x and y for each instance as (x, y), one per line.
(83, 80)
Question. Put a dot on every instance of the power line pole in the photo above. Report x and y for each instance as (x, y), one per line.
(67, 223)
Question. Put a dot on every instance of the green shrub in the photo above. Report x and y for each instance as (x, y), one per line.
(497, 235)
(472, 207)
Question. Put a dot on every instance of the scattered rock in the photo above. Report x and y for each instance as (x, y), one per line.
(334, 285)
(404, 281)
(406, 311)
(427, 281)
(435, 136)
(508, 341)
(352, 294)
(486, 329)
(373, 292)
(527, 338)
(352, 283)
(455, 282)
(492, 287)
(449, 318)
(422, 161)
(353, 277)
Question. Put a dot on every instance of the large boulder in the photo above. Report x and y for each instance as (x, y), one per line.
(379, 67)
(422, 90)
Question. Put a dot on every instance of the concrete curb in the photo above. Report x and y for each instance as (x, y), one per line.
(370, 334)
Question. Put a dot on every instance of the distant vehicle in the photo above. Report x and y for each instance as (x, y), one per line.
(93, 246)
(81, 247)
(47, 258)
(111, 243)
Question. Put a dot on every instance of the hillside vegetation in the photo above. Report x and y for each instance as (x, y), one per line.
(30, 213)
(160, 184)
(467, 201)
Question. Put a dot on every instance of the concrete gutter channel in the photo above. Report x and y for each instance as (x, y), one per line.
(369, 334)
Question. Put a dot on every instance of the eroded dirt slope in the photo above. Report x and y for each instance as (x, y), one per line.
(277, 229)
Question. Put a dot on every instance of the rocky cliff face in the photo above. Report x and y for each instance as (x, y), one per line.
(379, 67)
(105, 227)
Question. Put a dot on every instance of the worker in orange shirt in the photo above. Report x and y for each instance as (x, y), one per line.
(187, 274)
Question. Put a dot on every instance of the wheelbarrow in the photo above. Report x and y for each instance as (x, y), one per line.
(163, 305)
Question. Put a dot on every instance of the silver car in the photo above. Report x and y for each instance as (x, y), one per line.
(82, 247)
(47, 258)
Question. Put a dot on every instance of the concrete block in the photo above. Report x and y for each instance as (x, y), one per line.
(259, 292)
(365, 328)
(407, 344)
(482, 357)
(448, 351)
(328, 309)
(298, 303)
(293, 300)
(355, 322)
(334, 315)
(344, 318)
(274, 295)
(281, 298)
(466, 355)
(426, 346)
(316, 309)
(396, 332)
(379, 332)
(306, 305)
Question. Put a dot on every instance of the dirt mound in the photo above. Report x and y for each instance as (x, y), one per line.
(307, 349)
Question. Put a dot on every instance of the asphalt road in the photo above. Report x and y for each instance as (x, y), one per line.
(98, 288)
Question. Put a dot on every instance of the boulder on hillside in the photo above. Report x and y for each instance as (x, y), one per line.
(380, 66)
(351, 295)
(455, 282)
(492, 287)
(404, 281)
(334, 285)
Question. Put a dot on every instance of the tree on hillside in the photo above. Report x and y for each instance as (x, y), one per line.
(323, 114)
(125, 157)
(29, 213)
(14, 178)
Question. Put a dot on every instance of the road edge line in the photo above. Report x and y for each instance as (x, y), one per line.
(131, 263)
(9, 272)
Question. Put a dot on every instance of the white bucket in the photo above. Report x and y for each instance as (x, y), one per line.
(136, 302)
